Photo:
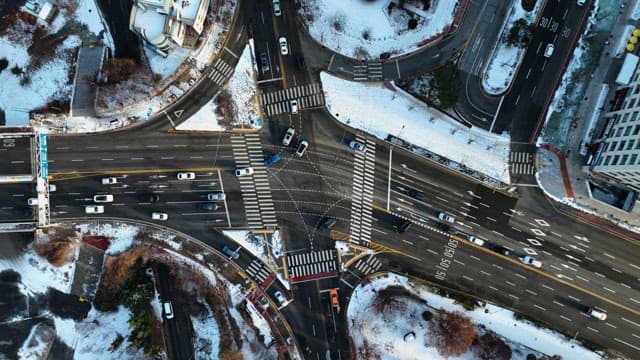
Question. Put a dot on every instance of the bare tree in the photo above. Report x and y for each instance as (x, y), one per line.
(452, 333)
(490, 347)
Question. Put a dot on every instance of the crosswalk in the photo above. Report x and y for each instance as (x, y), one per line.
(521, 163)
(372, 70)
(369, 265)
(221, 72)
(362, 192)
(312, 265)
(256, 193)
(260, 273)
(277, 102)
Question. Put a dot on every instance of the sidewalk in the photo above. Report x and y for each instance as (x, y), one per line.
(560, 171)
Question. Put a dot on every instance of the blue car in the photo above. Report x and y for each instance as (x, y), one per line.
(272, 160)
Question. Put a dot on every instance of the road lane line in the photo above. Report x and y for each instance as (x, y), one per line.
(606, 288)
(485, 273)
(625, 285)
(407, 241)
(566, 318)
(531, 292)
(474, 257)
(573, 298)
(433, 252)
(616, 270)
(520, 276)
(467, 278)
(631, 322)
(602, 276)
(557, 303)
(539, 307)
(634, 300)
(497, 266)
(513, 296)
(592, 329)
(581, 278)
(107, 159)
(548, 287)
(77, 160)
(613, 326)
(458, 262)
(608, 255)
(510, 283)
(493, 288)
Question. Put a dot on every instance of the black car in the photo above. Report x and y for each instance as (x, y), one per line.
(264, 62)
(208, 206)
(300, 61)
(500, 249)
(149, 198)
(402, 226)
(416, 194)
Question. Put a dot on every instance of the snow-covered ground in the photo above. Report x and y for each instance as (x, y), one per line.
(505, 59)
(385, 334)
(365, 29)
(242, 90)
(380, 111)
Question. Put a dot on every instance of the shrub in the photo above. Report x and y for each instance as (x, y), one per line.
(16, 70)
(427, 315)
(452, 333)
(491, 347)
(4, 63)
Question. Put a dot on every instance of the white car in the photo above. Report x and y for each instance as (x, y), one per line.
(284, 48)
(109, 181)
(357, 146)
(168, 310)
(302, 147)
(103, 198)
(548, 51)
(244, 171)
(446, 217)
(159, 216)
(52, 187)
(475, 240)
(294, 106)
(597, 313)
(186, 175)
(216, 196)
(531, 261)
(94, 209)
(281, 299)
(276, 8)
(32, 201)
(288, 136)
(580, 2)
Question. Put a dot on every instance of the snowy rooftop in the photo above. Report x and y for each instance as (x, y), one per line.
(151, 21)
(188, 8)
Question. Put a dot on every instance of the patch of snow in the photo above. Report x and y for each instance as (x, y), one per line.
(260, 323)
(122, 235)
(204, 119)
(206, 335)
(342, 247)
(194, 265)
(165, 66)
(342, 25)
(380, 111)
(501, 68)
(89, 14)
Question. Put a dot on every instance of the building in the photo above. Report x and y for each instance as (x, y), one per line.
(617, 157)
(167, 23)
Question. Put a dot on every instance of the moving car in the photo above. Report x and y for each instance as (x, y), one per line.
(281, 299)
(416, 194)
(159, 216)
(300, 61)
(32, 201)
(271, 160)
(94, 209)
(357, 146)
(531, 261)
(401, 226)
(294, 106)
(328, 223)
(580, 2)
(216, 196)
(186, 175)
(474, 240)
(168, 309)
(302, 147)
(208, 206)
(548, 51)
(446, 217)
(149, 198)
(288, 136)
(284, 48)
(276, 8)
(244, 171)
(264, 63)
(109, 181)
(52, 188)
(103, 198)
(333, 294)
(229, 252)
(597, 313)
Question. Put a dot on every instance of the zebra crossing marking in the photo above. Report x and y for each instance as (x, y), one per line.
(521, 163)
(277, 102)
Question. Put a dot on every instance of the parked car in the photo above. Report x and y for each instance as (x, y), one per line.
(271, 160)
(474, 240)
(229, 252)
(168, 309)
(597, 313)
(159, 216)
(281, 299)
(548, 51)
(186, 175)
(109, 181)
(302, 147)
(244, 171)
(446, 217)
(216, 196)
(284, 47)
(264, 63)
(288, 136)
(103, 198)
(94, 209)
(149, 198)
(531, 261)
(328, 223)
(276, 8)
(294, 106)
(208, 206)
(357, 146)
(401, 226)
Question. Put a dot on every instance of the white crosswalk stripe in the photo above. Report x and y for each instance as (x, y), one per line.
(312, 263)
(277, 102)
(256, 192)
(372, 70)
(221, 72)
(362, 192)
(369, 265)
(522, 163)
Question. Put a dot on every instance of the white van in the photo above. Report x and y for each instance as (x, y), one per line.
(597, 313)
(168, 310)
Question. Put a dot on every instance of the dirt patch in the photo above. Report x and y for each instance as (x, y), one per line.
(59, 251)
(117, 270)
